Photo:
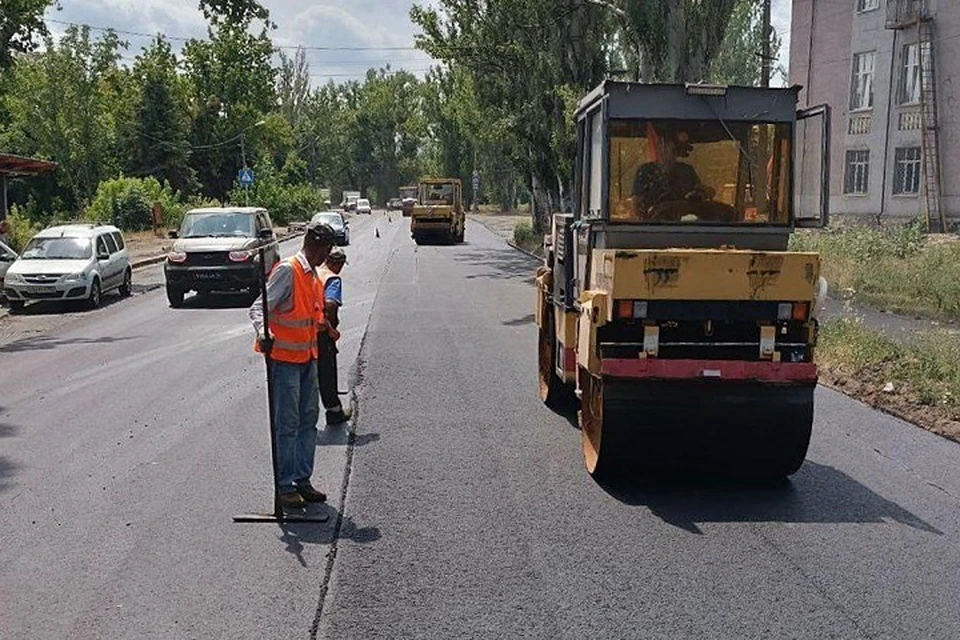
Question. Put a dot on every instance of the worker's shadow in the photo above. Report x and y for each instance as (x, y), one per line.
(297, 535)
(815, 494)
(344, 435)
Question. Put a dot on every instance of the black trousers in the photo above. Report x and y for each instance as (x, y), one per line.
(327, 373)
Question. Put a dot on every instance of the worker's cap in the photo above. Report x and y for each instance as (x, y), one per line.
(321, 232)
(337, 256)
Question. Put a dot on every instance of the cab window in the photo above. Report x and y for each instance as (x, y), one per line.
(101, 246)
(679, 171)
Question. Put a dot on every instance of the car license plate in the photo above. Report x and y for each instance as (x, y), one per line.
(207, 276)
(34, 290)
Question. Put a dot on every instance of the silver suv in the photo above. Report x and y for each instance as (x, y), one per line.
(70, 262)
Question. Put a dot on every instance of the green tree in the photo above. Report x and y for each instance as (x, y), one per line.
(21, 22)
(60, 107)
(739, 60)
(156, 138)
(231, 81)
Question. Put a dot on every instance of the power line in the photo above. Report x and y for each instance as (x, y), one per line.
(140, 34)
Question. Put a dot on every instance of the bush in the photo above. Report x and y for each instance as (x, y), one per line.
(21, 229)
(128, 203)
(285, 202)
(523, 233)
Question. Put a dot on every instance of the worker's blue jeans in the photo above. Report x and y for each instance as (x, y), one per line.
(296, 409)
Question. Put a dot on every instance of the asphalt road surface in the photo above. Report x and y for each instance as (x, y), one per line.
(130, 435)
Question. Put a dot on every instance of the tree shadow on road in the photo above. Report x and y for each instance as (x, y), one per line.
(815, 494)
(47, 343)
(519, 322)
(60, 307)
(7, 466)
(500, 264)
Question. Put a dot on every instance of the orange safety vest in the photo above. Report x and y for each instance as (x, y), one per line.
(295, 332)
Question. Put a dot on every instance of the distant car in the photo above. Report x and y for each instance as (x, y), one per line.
(70, 262)
(217, 249)
(340, 226)
(393, 204)
(363, 206)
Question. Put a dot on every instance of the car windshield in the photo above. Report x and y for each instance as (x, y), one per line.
(332, 219)
(225, 224)
(670, 171)
(363, 202)
(58, 249)
(438, 193)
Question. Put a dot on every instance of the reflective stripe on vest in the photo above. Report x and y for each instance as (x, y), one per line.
(295, 332)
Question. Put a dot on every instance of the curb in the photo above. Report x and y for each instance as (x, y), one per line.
(512, 244)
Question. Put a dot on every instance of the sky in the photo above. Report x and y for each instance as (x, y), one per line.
(368, 33)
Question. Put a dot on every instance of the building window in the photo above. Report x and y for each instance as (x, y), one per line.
(906, 179)
(857, 174)
(861, 86)
(867, 5)
(910, 74)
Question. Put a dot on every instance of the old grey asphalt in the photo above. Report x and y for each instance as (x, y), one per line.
(129, 436)
(128, 439)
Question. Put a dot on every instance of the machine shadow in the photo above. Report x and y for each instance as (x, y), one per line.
(341, 436)
(815, 494)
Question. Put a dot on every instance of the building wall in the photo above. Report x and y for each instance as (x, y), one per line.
(839, 32)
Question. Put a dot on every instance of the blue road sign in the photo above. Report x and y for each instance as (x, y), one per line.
(245, 177)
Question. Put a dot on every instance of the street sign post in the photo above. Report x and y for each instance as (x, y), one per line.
(245, 177)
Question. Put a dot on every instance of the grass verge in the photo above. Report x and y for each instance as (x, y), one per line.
(899, 269)
(918, 381)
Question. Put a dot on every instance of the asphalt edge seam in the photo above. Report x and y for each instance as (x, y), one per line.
(355, 380)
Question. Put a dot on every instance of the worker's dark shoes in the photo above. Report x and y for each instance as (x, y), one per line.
(292, 500)
(338, 416)
(309, 494)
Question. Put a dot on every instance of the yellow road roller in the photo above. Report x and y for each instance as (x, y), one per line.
(669, 308)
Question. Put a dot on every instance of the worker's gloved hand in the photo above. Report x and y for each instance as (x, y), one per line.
(265, 344)
(333, 333)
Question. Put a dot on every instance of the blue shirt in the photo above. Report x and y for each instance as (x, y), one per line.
(333, 290)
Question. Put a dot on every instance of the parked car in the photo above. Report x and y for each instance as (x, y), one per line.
(337, 222)
(70, 262)
(363, 206)
(217, 249)
(7, 257)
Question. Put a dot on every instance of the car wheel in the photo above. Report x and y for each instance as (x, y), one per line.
(93, 300)
(127, 287)
(175, 297)
(16, 305)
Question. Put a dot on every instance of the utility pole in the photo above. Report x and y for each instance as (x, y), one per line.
(766, 62)
(243, 161)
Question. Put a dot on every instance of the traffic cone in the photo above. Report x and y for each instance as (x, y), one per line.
(378, 232)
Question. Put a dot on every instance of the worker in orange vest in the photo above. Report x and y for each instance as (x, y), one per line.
(332, 283)
(295, 303)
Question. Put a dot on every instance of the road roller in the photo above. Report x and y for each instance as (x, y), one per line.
(670, 310)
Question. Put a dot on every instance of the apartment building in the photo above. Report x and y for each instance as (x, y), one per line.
(890, 70)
